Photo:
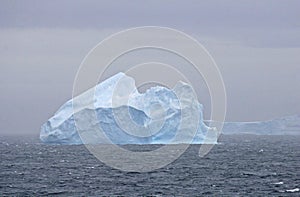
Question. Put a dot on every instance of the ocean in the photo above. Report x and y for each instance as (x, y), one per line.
(240, 165)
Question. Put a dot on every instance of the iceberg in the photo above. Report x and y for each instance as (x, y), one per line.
(288, 125)
(114, 111)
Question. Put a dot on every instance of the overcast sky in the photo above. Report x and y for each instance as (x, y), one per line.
(256, 45)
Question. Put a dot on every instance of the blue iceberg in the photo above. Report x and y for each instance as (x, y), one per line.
(114, 111)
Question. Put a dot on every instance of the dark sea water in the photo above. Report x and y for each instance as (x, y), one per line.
(238, 166)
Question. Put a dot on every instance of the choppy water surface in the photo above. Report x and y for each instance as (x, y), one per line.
(239, 165)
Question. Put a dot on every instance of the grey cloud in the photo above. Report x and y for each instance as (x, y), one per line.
(99, 14)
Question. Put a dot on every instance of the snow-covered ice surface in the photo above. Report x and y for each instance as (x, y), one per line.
(116, 109)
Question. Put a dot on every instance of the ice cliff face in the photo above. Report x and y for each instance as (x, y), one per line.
(125, 116)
